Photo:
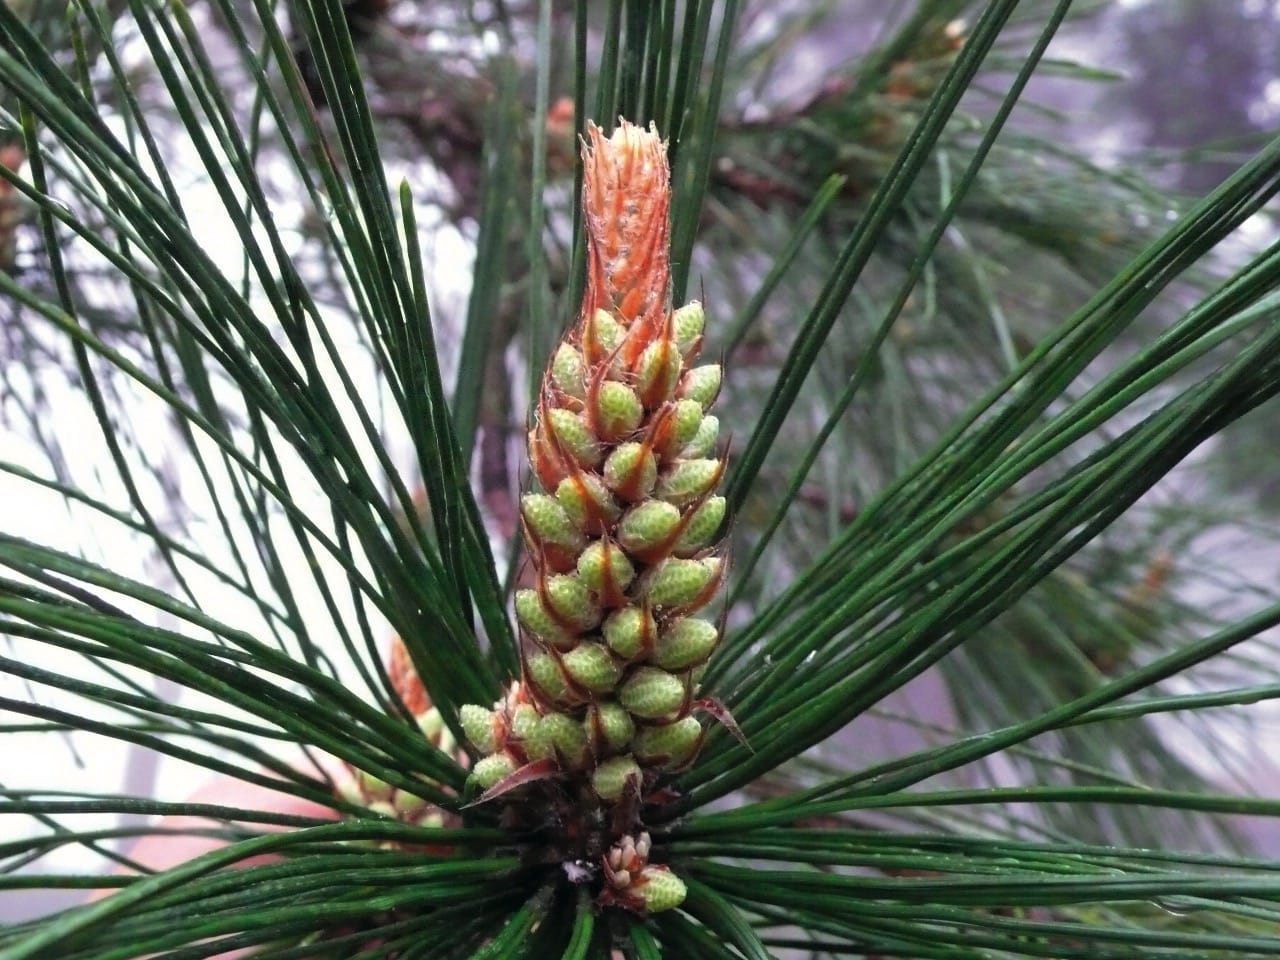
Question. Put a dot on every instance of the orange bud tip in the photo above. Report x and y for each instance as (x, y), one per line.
(626, 199)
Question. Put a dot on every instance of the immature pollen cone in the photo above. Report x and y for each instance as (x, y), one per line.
(363, 788)
(622, 541)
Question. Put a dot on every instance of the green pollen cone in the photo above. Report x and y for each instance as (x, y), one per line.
(537, 619)
(567, 371)
(701, 528)
(618, 410)
(652, 693)
(703, 443)
(549, 523)
(604, 565)
(567, 736)
(609, 779)
(375, 788)
(447, 743)
(432, 725)
(671, 743)
(477, 724)
(661, 889)
(631, 471)
(537, 745)
(614, 724)
(687, 324)
(546, 676)
(687, 480)
(524, 721)
(603, 333)
(571, 602)
(408, 804)
(649, 524)
(383, 808)
(349, 790)
(585, 499)
(658, 372)
(592, 666)
(685, 643)
(629, 631)
(676, 583)
(701, 384)
(489, 770)
(527, 730)
(573, 436)
(687, 419)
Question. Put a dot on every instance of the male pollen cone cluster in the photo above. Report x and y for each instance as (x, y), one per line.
(622, 538)
(364, 789)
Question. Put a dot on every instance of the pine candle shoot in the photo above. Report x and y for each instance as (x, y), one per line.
(624, 548)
